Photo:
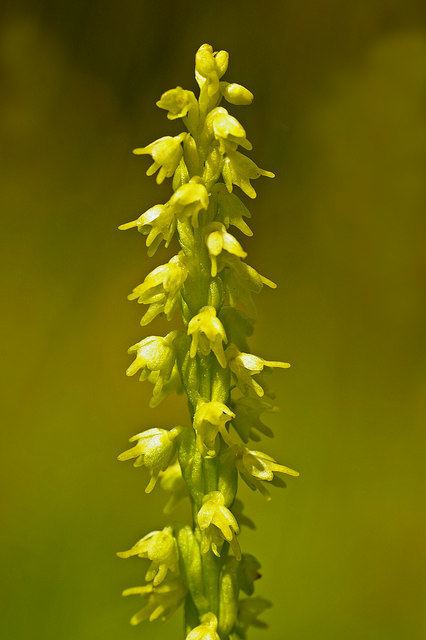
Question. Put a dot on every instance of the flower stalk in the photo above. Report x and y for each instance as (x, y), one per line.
(206, 289)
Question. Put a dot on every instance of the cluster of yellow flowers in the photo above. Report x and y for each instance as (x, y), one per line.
(207, 287)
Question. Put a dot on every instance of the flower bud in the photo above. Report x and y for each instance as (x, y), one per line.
(236, 94)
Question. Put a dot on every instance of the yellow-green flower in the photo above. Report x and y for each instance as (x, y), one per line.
(214, 519)
(160, 602)
(226, 129)
(177, 102)
(239, 170)
(207, 334)
(219, 239)
(189, 199)
(158, 224)
(247, 422)
(235, 93)
(210, 419)
(210, 67)
(160, 548)
(206, 630)
(245, 365)
(154, 354)
(172, 482)
(160, 289)
(154, 449)
(232, 210)
(166, 153)
(256, 467)
(241, 282)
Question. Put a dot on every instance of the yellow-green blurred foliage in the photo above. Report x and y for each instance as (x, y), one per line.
(339, 115)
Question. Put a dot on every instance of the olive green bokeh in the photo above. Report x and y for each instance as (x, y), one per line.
(339, 115)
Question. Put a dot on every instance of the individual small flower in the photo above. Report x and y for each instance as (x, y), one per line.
(217, 524)
(247, 422)
(154, 449)
(239, 170)
(158, 223)
(160, 602)
(177, 102)
(245, 365)
(166, 153)
(241, 282)
(210, 67)
(172, 482)
(226, 128)
(160, 289)
(219, 239)
(161, 549)
(154, 354)
(172, 385)
(210, 419)
(206, 630)
(232, 210)
(249, 609)
(248, 573)
(189, 199)
(235, 93)
(256, 467)
(207, 334)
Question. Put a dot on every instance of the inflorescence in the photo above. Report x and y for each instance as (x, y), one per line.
(207, 288)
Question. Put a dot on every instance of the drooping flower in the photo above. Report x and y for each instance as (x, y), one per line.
(160, 602)
(207, 334)
(217, 524)
(172, 482)
(206, 630)
(218, 239)
(210, 419)
(249, 609)
(166, 153)
(239, 170)
(158, 224)
(160, 289)
(226, 129)
(247, 422)
(232, 210)
(189, 199)
(235, 93)
(241, 282)
(177, 102)
(154, 449)
(160, 548)
(154, 354)
(256, 467)
(246, 365)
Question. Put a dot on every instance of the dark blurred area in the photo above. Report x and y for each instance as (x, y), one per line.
(339, 115)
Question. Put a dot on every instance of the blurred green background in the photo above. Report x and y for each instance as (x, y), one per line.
(339, 115)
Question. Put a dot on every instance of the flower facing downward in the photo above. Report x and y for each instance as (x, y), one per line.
(225, 128)
(247, 422)
(166, 153)
(207, 334)
(172, 482)
(159, 547)
(154, 449)
(189, 199)
(177, 102)
(232, 210)
(159, 602)
(160, 289)
(245, 365)
(158, 224)
(210, 418)
(154, 354)
(255, 467)
(206, 630)
(217, 524)
(218, 240)
(239, 170)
